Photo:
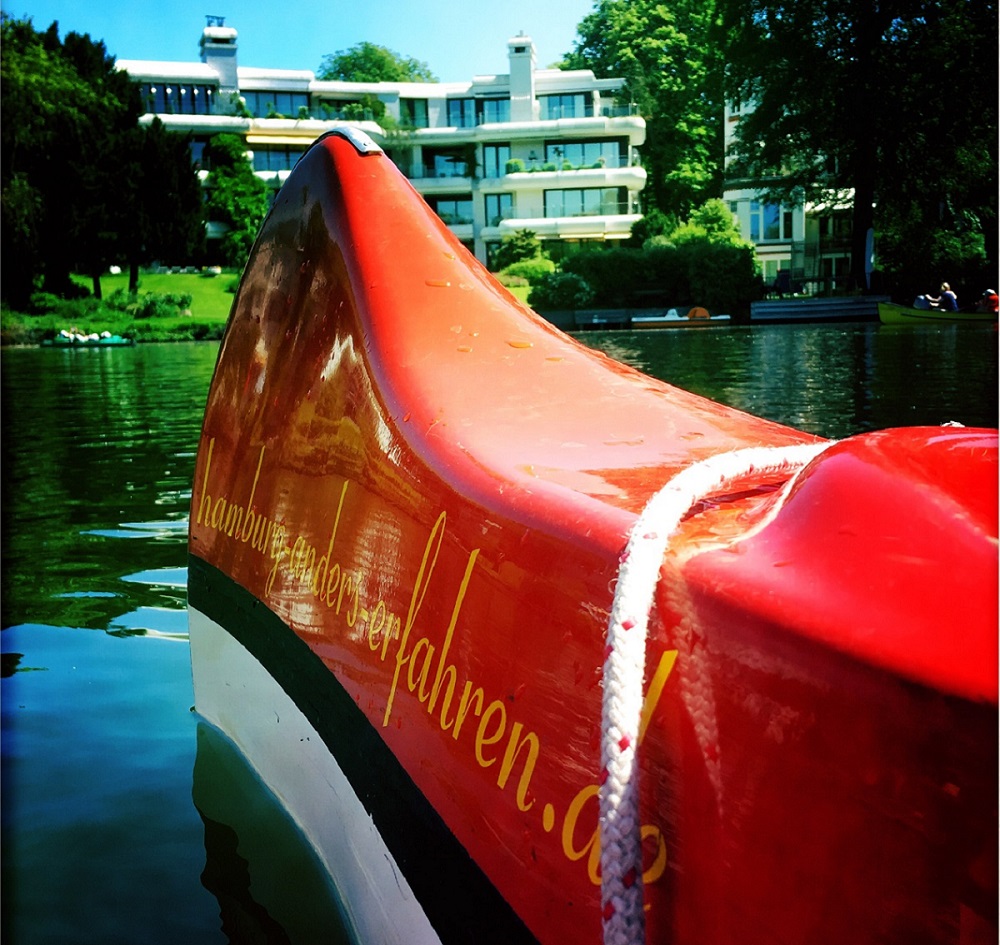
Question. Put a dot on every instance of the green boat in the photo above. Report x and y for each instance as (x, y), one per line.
(891, 314)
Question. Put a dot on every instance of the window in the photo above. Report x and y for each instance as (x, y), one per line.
(493, 110)
(413, 112)
(606, 153)
(587, 202)
(177, 99)
(769, 223)
(454, 211)
(835, 227)
(499, 207)
(276, 157)
(495, 158)
(461, 113)
(446, 162)
(275, 104)
(567, 106)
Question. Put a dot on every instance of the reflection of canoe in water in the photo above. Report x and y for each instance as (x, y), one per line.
(270, 885)
(891, 314)
(409, 522)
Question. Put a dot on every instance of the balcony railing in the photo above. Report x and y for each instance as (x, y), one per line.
(621, 208)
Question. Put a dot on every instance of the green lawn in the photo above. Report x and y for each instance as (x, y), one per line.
(209, 298)
(205, 320)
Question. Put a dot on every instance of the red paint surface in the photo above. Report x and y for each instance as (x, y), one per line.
(821, 763)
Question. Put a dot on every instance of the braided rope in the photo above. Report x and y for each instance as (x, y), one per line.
(624, 667)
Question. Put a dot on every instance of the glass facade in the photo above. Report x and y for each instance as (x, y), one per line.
(598, 153)
(177, 99)
(461, 113)
(455, 211)
(276, 157)
(493, 110)
(413, 112)
(273, 104)
(769, 222)
(575, 105)
(495, 158)
(499, 207)
(586, 202)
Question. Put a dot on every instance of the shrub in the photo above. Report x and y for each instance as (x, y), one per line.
(511, 281)
(559, 291)
(531, 270)
(520, 245)
(154, 306)
(514, 166)
(617, 275)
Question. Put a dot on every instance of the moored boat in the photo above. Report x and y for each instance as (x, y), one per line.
(846, 308)
(890, 313)
(537, 648)
(693, 318)
(75, 339)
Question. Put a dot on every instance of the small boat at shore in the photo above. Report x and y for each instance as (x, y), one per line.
(889, 313)
(694, 317)
(75, 339)
(535, 648)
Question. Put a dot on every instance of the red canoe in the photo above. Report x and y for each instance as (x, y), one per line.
(428, 606)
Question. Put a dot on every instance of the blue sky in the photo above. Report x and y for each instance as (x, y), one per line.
(456, 39)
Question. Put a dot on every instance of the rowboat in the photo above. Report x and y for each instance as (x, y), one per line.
(535, 648)
(72, 339)
(694, 317)
(889, 313)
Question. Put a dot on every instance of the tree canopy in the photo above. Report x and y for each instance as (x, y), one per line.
(369, 62)
(71, 190)
(671, 61)
(237, 197)
(893, 103)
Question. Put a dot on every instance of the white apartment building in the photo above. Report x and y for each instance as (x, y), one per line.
(809, 245)
(544, 150)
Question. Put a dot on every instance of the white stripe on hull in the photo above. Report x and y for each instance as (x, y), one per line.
(236, 694)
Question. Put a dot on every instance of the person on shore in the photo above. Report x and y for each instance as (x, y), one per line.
(989, 302)
(947, 301)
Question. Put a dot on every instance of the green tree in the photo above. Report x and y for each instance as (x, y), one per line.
(164, 213)
(523, 244)
(712, 222)
(66, 108)
(889, 102)
(82, 184)
(369, 62)
(671, 61)
(237, 198)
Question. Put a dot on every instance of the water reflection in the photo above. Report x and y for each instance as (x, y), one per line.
(100, 839)
(832, 380)
(270, 884)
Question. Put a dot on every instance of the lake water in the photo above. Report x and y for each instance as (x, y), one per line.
(117, 803)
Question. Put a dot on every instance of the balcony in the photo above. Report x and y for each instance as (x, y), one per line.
(608, 225)
(631, 177)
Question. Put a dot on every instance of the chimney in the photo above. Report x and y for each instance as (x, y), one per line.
(218, 50)
(521, 52)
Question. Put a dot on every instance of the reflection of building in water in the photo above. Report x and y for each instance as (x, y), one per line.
(547, 150)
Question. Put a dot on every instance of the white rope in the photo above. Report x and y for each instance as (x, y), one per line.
(624, 667)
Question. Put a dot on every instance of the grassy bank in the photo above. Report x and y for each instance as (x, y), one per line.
(152, 317)
(169, 307)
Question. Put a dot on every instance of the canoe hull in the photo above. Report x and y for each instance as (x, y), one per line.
(410, 506)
